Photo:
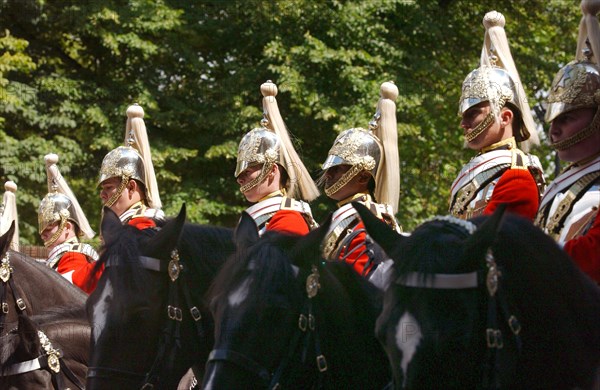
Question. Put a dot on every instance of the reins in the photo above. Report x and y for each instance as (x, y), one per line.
(305, 330)
(170, 334)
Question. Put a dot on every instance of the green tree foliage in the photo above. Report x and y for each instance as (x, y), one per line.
(69, 69)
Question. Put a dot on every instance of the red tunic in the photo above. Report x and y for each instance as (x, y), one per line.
(355, 253)
(142, 222)
(76, 268)
(585, 250)
(288, 221)
(518, 189)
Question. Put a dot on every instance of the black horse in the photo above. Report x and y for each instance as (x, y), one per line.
(28, 287)
(492, 303)
(150, 323)
(286, 319)
(46, 351)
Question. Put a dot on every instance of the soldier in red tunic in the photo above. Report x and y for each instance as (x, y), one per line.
(569, 208)
(61, 224)
(363, 166)
(496, 118)
(272, 176)
(127, 179)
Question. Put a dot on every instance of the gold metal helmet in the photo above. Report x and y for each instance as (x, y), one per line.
(497, 81)
(271, 144)
(357, 147)
(374, 150)
(577, 84)
(132, 161)
(60, 205)
(258, 146)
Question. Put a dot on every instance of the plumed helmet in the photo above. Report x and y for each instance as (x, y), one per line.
(55, 207)
(357, 147)
(577, 84)
(374, 150)
(132, 161)
(258, 146)
(60, 204)
(271, 144)
(124, 161)
(497, 80)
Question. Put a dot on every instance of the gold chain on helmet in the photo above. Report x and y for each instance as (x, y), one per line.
(481, 127)
(64, 214)
(367, 164)
(580, 135)
(260, 178)
(118, 192)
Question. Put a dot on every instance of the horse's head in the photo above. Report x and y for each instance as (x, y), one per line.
(285, 317)
(128, 309)
(256, 300)
(431, 325)
(488, 303)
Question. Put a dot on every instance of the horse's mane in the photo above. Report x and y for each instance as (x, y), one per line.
(202, 249)
(267, 262)
(434, 247)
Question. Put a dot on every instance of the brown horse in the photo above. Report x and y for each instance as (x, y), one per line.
(28, 287)
(46, 351)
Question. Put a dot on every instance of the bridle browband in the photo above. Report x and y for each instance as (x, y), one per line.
(171, 331)
(306, 329)
(50, 361)
(488, 277)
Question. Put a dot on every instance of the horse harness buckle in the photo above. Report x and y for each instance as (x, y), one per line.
(174, 313)
(4, 307)
(196, 314)
(21, 304)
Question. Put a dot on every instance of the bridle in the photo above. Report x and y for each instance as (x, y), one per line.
(498, 307)
(51, 360)
(305, 330)
(6, 281)
(170, 334)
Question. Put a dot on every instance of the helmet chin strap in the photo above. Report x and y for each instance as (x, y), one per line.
(266, 169)
(54, 237)
(581, 135)
(111, 201)
(481, 127)
(345, 179)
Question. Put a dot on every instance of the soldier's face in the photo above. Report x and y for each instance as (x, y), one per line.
(109, 187)
(357, 184)
(570, 123)
(269, 185)
(495, 132)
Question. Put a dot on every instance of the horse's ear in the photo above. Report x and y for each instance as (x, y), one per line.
(110, 227)
(246, 233)
(27, 331)
(307, 250)
(6, 238)
(170, 231)
(483, 238)
(383, 235)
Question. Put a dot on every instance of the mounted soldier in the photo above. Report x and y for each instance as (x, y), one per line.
(496, 120)
(569, 208)
(271, 174)
(61, 225)
(363, 166)
(127, 180)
